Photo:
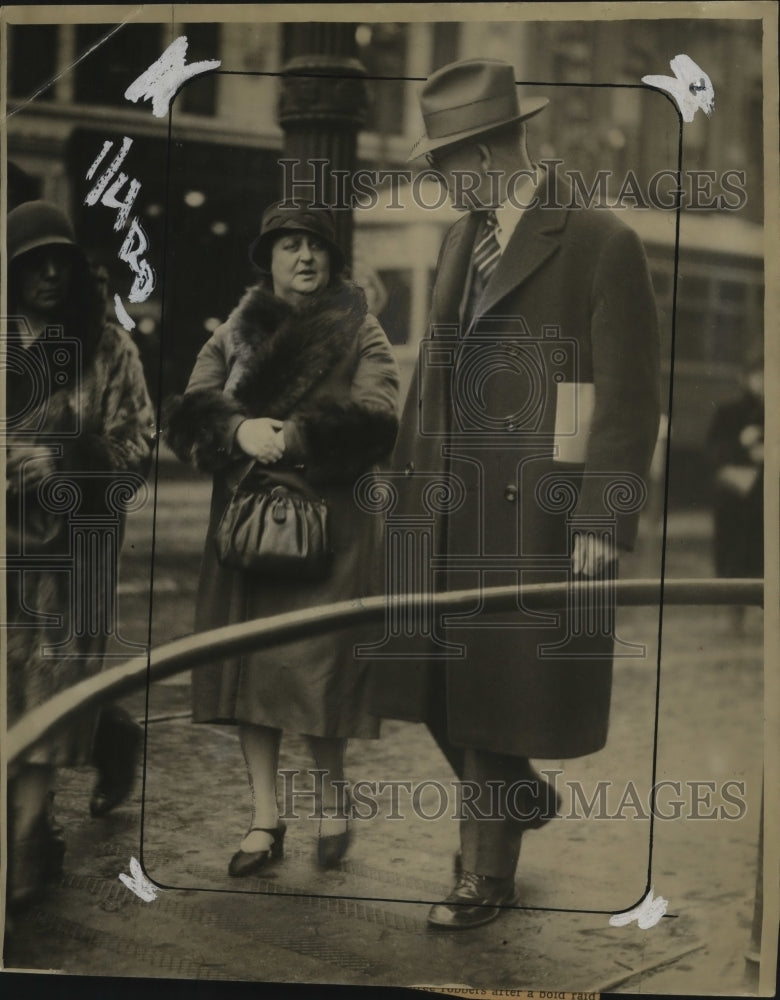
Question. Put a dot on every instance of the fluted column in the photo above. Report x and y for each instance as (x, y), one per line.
(322, 105)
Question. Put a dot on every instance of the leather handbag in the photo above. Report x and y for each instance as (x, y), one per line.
(274, 529)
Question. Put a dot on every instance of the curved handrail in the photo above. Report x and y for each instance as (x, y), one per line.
(189, 651)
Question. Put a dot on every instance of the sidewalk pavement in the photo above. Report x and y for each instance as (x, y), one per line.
(365, 922)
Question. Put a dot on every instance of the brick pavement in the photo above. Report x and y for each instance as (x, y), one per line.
(364, 924)
(361, 924)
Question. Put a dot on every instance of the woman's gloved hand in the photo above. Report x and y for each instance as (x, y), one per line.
(262, 438)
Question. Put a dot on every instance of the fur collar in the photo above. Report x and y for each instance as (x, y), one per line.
(281, 353)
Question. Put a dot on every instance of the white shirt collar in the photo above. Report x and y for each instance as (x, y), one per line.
(510, 213)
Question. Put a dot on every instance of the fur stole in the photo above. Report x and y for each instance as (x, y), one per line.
(282, 353)
(279, 356)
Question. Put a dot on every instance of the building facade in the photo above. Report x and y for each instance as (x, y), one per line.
(205, 182)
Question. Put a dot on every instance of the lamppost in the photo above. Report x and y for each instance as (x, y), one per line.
(323, 104)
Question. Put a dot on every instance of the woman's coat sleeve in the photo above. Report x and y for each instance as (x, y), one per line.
(122, 442)
(201, 425)
(338, 439)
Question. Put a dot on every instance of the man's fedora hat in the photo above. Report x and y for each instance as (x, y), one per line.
(281, 218)
(467, 98)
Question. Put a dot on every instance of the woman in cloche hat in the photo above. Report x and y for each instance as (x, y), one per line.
(301, 381)
(78, 420)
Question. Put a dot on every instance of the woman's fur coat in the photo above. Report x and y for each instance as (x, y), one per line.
(285, 363)
(327, 371)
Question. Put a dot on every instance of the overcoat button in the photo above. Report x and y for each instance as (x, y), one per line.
(510, 493)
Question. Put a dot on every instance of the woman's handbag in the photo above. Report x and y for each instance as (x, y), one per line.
(274, 529)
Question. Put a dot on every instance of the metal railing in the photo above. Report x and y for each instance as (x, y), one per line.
(193, 650)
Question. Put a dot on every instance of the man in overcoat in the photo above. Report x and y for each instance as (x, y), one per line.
(523, 452)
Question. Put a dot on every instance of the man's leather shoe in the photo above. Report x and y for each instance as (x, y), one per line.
(475, 900)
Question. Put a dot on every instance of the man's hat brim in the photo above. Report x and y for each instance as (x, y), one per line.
(528, 108)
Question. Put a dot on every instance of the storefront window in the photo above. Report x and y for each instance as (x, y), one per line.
(115, 59)
(199, 96)
(33, 59)
(382, 50)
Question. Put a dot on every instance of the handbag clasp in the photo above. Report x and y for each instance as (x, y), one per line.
(279, 510)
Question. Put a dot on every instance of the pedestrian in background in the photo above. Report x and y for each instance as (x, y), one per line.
(736, 447)
(300, 382)
(78, 421)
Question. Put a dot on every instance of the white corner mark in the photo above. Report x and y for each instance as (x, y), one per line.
(138, 883)
(160, 82)
(690, 87)
(647, 914)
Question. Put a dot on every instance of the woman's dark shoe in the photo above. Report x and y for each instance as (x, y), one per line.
(54, 856)
(245, 863)
(331, 848)
(50, 837)
(102, 801)
(116, 754)
(33, 863)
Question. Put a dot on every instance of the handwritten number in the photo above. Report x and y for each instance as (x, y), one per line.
(122, 314)
(102, 183)
(99, 159)
(134, 246)
(110, 200)
(158, 83)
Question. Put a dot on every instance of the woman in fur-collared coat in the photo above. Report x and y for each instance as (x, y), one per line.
(301, 379)
(78, 432)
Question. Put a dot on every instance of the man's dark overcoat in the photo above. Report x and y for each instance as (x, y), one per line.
(541, 412)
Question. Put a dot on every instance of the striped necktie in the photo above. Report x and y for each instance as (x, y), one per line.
(487, 250)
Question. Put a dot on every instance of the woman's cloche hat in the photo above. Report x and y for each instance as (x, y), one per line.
(36, 224)
(466, 98)
(282, 217)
